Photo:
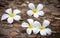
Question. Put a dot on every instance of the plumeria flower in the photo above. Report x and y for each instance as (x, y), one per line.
(30, 26)
(10, 16)
(35, 11)
(42, 28)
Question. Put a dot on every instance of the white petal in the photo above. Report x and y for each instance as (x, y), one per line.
(9, 11)
(48, 31)
(30, 21)
(29, 31)
(35, 30)
(10, 20)
(36, 15)
(46, 23)
(36, 24)
(39, 7)
(16, 11)
(17, 17)
(43, 33)
(31, 6)
(30, 12)
(24, 24)
(4, 16)
(41, 13)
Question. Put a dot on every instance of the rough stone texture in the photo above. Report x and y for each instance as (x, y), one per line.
(52, 13)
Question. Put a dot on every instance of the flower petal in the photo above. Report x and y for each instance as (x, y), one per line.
(29, 31)
(43, 32)
(31, 6)
(30, 21)
(4, 16)
(9, 11)
(41, 13)
(16, 11)
(36, 24)
(30, 12)
(46, 23)
(39, 7)
(36, 15)
(48, 31)
(24, 24)
(10, 20)
(35, 30)
(17, 17)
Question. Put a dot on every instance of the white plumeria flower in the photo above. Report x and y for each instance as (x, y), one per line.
(11, 15)
(35, 11)
(42, 28)
(30, 26)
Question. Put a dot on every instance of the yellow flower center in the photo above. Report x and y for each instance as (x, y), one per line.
(30, 26)
(11, 15)
(41, 28)
(35, 11)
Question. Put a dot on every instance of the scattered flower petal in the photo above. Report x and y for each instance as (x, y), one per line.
(9, 11)
(43, 33)
(46, 23)
(30, 13)
(5, 16)
(10, 20)
(41, 13)
(31, 6)
(36, 23)
(36, 15)
(28, 31)
(16, 11)
(35, 30)
(30, 21)
(17, 17)
(24, 24)
(39, 7)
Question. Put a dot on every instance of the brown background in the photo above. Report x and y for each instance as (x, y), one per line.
(52, 13)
